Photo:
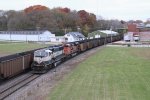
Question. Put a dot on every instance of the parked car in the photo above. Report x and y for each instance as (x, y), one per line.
(136, 38)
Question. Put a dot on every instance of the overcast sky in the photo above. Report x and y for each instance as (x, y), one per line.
(109, 9)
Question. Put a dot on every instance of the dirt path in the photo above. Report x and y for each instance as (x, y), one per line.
(41, 87)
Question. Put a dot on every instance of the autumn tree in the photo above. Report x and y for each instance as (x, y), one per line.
(35, 8)
(86, 20)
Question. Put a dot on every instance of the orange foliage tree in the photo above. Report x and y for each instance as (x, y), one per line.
(35, 8)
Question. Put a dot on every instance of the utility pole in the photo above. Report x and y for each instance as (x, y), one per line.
(65, 30)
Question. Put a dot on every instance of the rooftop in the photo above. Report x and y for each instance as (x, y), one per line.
(108, 32)
(76, 34)
(22, 32)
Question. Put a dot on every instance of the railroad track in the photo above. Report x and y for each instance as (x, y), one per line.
(8, 89)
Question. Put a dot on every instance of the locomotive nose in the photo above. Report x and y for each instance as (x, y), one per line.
(39, 60)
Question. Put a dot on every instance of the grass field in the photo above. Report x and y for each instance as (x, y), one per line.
(111, 74)
(10, 48)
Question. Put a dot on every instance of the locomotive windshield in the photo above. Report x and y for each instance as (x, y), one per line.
(41, 53)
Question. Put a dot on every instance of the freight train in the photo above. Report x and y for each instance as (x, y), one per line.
(41, 60)
(49, 57)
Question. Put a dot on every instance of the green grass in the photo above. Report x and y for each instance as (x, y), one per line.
(10, 48)
(111, 74)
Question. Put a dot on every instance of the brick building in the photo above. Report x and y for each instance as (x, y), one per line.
(133, 28)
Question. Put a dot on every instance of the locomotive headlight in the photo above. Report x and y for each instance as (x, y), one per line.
(40, 60)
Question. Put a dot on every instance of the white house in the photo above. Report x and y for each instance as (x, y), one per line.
(26, 35)
(147, 25)
(108, 32)
(59, 39)
(74, 36)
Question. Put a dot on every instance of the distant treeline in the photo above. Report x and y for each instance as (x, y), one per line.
(57, 20)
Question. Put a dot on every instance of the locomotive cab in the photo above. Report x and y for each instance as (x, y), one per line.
(42, 55)
(42, 60)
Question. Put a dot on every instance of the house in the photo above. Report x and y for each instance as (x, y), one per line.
(147, 26)
(101, 33)
(74, 36)
(58, 39)
(26, 35)
(140, 25)
(109, 32)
